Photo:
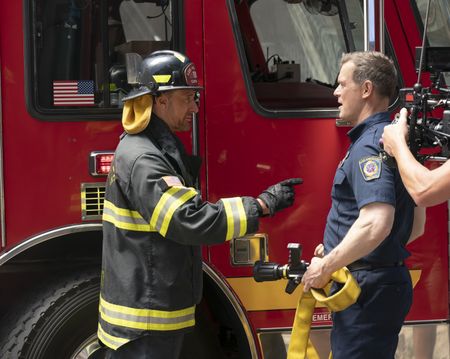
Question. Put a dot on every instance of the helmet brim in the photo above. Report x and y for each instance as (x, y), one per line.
(173, 88)
(137, 93)
(144, 91)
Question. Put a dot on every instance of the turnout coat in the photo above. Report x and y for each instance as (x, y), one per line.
(154, 222)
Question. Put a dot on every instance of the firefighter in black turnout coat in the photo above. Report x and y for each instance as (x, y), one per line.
(154, 220)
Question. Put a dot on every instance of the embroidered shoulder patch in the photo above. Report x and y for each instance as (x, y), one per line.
(370, 167)
(172, 181)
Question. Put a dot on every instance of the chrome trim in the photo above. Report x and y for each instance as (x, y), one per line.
(236, 306)
(195, 135)
(382, 49)
(366, 26)
(2, 189)
(259, 251)
(87, 348)
(43, 237)
(196, 143)
(95, 197)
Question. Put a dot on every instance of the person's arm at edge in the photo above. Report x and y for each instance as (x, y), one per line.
(418, 228)
(372, 226)
(427, 188)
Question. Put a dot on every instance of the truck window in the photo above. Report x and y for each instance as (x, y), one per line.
(438, 32)
(77, 50)
(292, 49)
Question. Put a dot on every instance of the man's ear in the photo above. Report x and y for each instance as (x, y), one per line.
(161, 100)
(367, 88)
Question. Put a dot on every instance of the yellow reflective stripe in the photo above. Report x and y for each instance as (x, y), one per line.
(147, 326)
(110, 340)
(184, 198)
(160, 205)
(173, 198)
(236, 217)
(230, 219)
(122, 211)
(147, 312)
(146, 319)
(242, 218)
(124, 218)
(128, 226)
(162, 79)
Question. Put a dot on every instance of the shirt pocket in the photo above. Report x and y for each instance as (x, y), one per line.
(339, 179)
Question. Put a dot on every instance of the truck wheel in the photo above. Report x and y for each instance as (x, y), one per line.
(59, 321)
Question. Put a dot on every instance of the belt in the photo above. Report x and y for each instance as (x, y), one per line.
(363, 265)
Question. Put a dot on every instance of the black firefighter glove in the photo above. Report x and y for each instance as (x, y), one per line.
(280, 195)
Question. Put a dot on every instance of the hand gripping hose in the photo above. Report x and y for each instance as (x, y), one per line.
(300, 346)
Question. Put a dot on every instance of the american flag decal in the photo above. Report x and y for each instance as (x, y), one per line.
(73, 93)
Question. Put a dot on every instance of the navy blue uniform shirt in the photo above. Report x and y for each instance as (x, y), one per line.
(362, 178)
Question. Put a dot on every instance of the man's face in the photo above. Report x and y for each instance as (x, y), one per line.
(349, 94)
(180, 108)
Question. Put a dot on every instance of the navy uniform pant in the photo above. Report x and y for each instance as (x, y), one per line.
(369, 328)
(149, 347)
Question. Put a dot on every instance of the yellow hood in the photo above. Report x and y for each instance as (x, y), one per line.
(136, 114)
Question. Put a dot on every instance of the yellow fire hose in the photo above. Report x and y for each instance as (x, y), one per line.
(300, 346)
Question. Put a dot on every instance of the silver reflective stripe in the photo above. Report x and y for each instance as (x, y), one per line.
(236, 217)
(124, 218)
(146, 319)
(139, 319)
(110, 340)
(172, 199)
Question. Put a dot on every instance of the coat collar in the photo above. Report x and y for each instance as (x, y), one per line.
(370, 121)
(171, 146)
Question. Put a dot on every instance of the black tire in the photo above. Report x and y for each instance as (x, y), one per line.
(56, 321)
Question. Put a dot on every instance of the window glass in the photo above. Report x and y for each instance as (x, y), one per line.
(79, 49)
(293, 48)
(438, 31)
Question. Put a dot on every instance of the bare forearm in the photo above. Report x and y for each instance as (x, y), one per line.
(361, 239)
(367, 232)
(426, 187)
(416, 177)
(419, 223)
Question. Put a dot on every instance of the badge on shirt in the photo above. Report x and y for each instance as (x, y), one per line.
(370, 167)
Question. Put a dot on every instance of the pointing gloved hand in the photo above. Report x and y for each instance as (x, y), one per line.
(280, 195)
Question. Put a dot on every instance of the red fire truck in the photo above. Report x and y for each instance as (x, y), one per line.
(269, 68)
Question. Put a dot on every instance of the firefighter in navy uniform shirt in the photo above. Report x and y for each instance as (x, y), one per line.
(154, 220)
(370, 220)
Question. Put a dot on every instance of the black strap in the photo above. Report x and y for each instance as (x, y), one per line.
(363, 265)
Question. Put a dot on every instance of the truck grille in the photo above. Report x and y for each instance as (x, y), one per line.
(92, 197)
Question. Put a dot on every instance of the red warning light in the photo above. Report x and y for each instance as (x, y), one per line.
(100, 163)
